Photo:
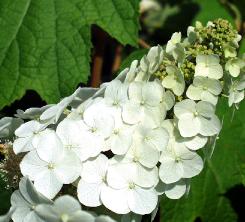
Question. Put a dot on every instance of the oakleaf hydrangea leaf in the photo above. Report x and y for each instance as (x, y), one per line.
(45, 45)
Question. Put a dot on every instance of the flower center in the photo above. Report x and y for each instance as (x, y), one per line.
(196, 113)
(93, 129)
(131, 185)
(69, 146)
(115, 103)
(116, 131)
(103, 178)
(142, 102)
(51, 166)
(177, 159)
(205, 88)
(135, 159)
(64, 218)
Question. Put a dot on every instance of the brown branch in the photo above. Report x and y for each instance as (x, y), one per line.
(118, 59)
(143, 44)
(98, 60)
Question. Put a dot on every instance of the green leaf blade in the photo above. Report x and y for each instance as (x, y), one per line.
(45, 45)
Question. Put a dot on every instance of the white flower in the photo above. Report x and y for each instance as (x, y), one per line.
(93, 179)
(192, 143)
(168, 100)
(156, 138)
(176, 190)
(82, 95)
(28, 136)
(124, 195)
(191, 34)
(175, 48)
(77, 113)
(99, 124)
(178, 162)
(76, 139)
(205, 89)
(196, 118)
(121, 137)
(104, 218)
(143, 153)
(196, 142)
(65, 208)
(230, 50)
(139, 172)
(116, 94)
(149, 63)
(32, 113)
(24, 202)
(173, 190)
(8, 125)
(144, 103)
(174, 80)
(208, 65)
(234, 66)
(236, 92)
(175, 39)
(130, 73)
(53, 113)
(50, 166)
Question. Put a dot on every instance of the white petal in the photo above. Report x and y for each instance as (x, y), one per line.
(192, 165)
(184, 107)
(170, 171)
(120, 142)
(23, 145)
(68, 168)
(115, 200)
(28, 129)
(66, 205)
(159, 138)
(152, 93)
(132, 113)
(145, 177)
(118, 174)
(20, 213)
(205, 109)
(142, 201)
(194, 92)
(48, 184)
(189, 126)
(147, 155)
(82, 216)
(94, 169)
(209, 97)
(31, 165)
(210, 127)
(175, 190)
(49, 147)
(197, 142)
(89, 193)
(135, 92)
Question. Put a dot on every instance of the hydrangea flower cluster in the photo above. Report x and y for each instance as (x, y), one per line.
(124, 145)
